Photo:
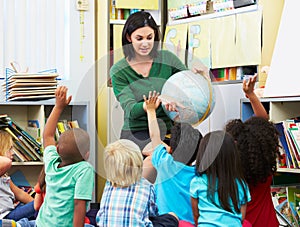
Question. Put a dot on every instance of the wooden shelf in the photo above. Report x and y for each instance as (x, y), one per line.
(27, 163)
(288, 170)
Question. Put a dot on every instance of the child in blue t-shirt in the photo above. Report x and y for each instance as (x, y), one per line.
(174, 165)
(219, 191)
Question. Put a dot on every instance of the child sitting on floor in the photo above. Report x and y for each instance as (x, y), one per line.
(219, 192)
(128, 198)
(69, 177)
(174, 165)
(9, 192)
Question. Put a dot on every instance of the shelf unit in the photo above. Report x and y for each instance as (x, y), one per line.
(245, 9)
(279, 109)
(21, 112)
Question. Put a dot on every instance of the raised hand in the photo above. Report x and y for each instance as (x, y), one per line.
(61, 97)
(248, 85)
(152, 102)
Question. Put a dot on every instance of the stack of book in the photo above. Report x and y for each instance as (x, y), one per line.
(286, 200)
(290, 143)
(29, 86)
(26, 148)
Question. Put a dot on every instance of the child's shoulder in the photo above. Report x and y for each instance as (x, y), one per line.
(84, 166)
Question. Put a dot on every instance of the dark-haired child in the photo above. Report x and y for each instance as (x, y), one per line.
(219, 192)
(173, 165)
(69, 177)
(258, 143)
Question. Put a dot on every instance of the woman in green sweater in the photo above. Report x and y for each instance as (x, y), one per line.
(144, 68)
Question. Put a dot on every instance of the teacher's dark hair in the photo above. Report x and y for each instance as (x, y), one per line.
(139, 20)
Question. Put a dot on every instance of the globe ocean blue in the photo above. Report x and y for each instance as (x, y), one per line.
(193, 94)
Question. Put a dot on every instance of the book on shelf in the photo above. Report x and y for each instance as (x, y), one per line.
(291, 191)
(33, 129)
(286, 203)
(73, 124)
(64, 125)
(280, 202)
(290, 141)
(283, 142)
(26, 147)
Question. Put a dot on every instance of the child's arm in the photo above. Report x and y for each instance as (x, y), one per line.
(38, 201)
(5, 164)
(61, 102)
(20, 195)
(248, 88)
(151, 105)
(243, 211)
(195, 209)
(79, 212)
(38, 198)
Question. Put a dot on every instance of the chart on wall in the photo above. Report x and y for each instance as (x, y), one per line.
(199, 43)
(175, 40)
(283, 78)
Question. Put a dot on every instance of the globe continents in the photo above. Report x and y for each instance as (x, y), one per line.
(193, 94)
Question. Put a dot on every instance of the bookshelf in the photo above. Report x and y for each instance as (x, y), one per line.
(21, 112)
(279, 109)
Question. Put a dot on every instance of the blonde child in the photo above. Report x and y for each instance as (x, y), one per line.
(9, 192)
(128, 198)
(219, 192)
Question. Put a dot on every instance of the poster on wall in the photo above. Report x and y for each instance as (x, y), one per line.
(175, 40)
(223, 41)
(248, 38)
(141, 4)
(199, 43)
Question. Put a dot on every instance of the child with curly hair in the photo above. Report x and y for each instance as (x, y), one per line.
(258, 142)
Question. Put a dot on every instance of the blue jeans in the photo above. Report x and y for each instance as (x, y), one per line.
(24, 222)
(22, 211)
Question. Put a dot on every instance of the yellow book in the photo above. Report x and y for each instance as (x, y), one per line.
(60, 127)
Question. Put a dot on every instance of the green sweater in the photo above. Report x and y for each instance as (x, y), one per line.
(129, 88)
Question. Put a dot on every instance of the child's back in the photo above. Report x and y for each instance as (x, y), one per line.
(257, 140)
(128, 198)
(219, 192)
(174, 170)
(69, 177)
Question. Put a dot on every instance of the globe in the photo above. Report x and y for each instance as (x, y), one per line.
(193, 95)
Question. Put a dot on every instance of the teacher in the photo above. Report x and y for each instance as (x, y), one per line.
(144, 68)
